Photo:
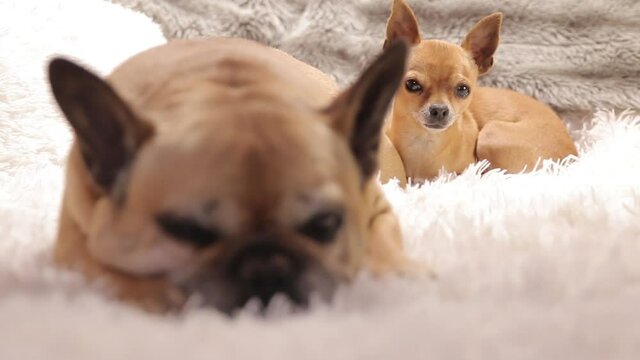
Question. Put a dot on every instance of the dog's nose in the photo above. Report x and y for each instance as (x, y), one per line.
(438, 112)
(264, 270)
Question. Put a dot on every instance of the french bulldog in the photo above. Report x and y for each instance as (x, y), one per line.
(227, 169)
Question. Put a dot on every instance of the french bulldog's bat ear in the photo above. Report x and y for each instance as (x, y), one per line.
(402, 24)
(358, 113)
(107, 131)
(482, 41)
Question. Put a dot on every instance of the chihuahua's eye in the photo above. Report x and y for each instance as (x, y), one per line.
(462, 91)
(413, 85)
(187, 230)
(323, 226)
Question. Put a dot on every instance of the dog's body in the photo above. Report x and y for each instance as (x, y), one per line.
(442, 120)
(226, 168)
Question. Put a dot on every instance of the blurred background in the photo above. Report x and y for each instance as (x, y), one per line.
(575, 55)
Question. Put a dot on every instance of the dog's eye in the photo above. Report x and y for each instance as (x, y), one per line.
(323, 226)
(187, 230)
(462, 91)
(413, 85)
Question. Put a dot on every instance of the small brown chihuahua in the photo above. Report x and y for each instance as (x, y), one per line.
(442, 120)
(228, 169)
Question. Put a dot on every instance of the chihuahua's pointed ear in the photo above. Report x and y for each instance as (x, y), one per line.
(107, 131)
(402, 24)
(358, 113)
(482, 41)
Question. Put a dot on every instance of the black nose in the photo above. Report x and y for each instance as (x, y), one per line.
(266, 269)
(438, 112)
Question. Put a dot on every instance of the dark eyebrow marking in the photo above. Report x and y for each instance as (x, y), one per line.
(187, 229)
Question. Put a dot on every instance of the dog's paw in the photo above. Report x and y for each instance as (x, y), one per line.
(152, 295)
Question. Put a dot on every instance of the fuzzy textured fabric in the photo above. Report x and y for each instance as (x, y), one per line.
(534, 266)
(575, 55)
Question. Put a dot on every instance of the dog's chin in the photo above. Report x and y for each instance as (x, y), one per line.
(229, 297)
(437, 128)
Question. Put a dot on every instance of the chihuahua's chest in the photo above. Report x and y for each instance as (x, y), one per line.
(427, 154)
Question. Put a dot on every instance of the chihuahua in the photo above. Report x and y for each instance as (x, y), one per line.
(441, 118)
(227, 169)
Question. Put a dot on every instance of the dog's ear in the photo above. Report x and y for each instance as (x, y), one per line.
(358, 113)
(107, 131)
(482, 41)
(402, 24)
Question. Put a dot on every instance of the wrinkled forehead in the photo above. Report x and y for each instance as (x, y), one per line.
(274, 151)
(255, 157)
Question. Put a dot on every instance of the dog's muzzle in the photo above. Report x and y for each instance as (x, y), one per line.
(260, 270)
(266, 269)
(437, 116)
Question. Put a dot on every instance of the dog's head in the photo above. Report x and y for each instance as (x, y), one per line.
(440, 76)
(232, 200)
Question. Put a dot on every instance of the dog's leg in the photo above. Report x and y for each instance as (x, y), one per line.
(518, 146)
(385, 248)
(391, 165)
(502, 145)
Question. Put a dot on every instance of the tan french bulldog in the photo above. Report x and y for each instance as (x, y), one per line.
(225, 168)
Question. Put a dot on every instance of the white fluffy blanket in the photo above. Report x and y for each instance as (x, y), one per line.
(536, 266)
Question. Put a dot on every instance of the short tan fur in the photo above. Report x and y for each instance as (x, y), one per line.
(225, 168)
(442, 119)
